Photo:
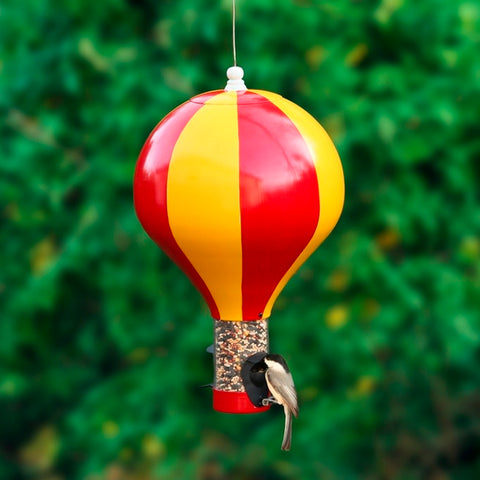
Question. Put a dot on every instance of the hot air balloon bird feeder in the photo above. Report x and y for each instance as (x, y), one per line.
(238, 187)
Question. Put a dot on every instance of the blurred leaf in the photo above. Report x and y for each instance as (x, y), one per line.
(42, 255)
(39, 454)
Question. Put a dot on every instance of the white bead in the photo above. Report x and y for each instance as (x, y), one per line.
(235, 80)
(235, 73)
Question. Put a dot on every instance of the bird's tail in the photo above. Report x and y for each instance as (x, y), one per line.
(287, 433)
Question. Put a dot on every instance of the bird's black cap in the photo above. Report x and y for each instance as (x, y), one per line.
(275, 357)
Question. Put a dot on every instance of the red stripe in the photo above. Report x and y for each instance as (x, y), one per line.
(279, 200)
(150, 191)
(205, 97)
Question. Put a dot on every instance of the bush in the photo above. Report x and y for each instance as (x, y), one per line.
(103, 338)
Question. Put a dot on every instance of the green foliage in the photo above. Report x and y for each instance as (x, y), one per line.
(102, 338)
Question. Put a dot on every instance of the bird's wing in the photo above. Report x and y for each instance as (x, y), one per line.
(285, 388)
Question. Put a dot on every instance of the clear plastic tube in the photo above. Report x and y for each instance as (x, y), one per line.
(234, 343)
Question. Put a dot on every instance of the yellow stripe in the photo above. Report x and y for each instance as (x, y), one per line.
(329, 175)
(203, 200)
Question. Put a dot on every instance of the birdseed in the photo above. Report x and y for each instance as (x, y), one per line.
(235, 341)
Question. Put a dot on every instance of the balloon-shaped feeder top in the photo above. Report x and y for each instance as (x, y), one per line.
(239, 187)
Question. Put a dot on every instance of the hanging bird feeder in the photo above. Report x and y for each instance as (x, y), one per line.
(238, 187)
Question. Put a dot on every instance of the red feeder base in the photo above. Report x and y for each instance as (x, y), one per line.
(234, 402)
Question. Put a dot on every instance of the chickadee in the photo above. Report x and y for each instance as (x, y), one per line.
(281, 386)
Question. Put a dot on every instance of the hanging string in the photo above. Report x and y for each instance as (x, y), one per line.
(233, 34)
(235, 73)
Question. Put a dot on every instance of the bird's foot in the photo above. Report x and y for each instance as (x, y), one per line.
(268, 401)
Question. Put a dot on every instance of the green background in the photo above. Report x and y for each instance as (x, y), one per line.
(102, 338)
